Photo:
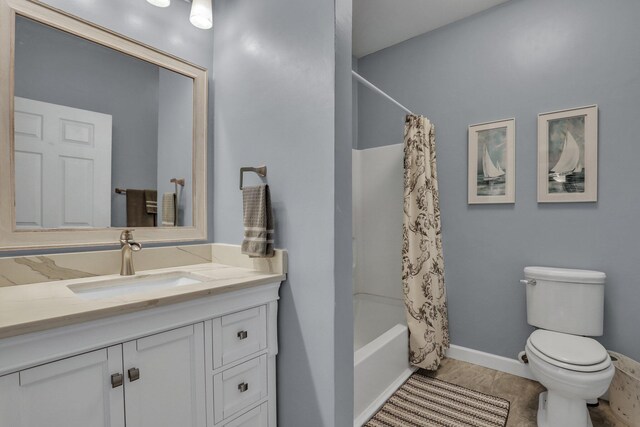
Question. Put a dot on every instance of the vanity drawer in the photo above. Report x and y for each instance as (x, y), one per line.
(238, 335)
(257, 417)
(239, 387)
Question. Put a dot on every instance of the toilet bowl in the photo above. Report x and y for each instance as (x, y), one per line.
(573, 369)
(567, 306)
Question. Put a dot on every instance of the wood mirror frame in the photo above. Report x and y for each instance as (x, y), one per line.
(13, 239)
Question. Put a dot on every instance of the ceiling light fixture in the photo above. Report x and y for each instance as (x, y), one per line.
(160, 3)
(201, 14)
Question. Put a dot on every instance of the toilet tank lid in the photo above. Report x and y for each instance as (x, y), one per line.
(565, 275)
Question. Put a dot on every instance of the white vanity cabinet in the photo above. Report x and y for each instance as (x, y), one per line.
(159, 379)
(73, 392)
(151, 370)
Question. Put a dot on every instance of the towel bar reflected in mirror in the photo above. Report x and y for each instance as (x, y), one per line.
(178, 181)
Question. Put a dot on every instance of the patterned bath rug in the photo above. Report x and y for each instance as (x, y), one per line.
(426, 401)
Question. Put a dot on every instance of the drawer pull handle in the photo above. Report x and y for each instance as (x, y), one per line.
(116, 380)
(134, 374)
(243, 387)
(242, 335)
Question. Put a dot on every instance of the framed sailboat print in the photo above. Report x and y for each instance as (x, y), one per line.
(492, 163)
(568, 155)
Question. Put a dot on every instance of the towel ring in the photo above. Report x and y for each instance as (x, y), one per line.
(261, 171)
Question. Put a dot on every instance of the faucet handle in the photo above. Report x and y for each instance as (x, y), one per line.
(127, 234)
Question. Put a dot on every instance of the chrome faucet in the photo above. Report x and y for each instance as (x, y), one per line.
(128, 246)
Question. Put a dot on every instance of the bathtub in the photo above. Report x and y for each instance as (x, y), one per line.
(381, 353)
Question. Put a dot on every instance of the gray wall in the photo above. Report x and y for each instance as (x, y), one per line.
(517, 60)
(343, 255)
(275, 105)
(175, 136)
(57, 67)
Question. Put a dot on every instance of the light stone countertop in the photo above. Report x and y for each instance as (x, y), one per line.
(45, 305)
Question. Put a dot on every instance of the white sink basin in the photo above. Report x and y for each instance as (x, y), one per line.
(134, 284)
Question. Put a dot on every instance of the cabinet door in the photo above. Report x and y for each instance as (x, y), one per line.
(165, 379)
(72, 392)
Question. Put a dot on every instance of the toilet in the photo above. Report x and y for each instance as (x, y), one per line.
(567, 306)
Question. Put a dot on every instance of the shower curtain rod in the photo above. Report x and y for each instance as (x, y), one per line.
(373, 87)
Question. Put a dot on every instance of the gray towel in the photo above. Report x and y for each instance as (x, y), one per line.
(137, 214)
(169, 210)
(151, 201)
(258, 222)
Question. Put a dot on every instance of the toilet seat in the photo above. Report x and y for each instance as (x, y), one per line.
(570, 352)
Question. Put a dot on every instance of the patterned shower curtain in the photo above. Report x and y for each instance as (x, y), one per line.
(422, 262)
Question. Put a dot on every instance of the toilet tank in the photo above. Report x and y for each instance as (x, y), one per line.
(565, 300)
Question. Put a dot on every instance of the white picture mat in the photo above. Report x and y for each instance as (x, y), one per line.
(510, 178)
(590, 193)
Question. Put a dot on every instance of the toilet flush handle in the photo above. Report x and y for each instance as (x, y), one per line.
(528, 282)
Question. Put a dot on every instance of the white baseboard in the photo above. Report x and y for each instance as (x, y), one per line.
(488, 360)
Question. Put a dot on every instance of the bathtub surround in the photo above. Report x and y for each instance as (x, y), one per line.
(381, 353)
(377, 206)
(381, 360)
(517, 60)
(425, 296)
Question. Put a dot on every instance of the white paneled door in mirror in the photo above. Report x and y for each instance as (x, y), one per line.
(62, 166)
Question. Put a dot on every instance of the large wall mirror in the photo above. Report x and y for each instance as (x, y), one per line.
(99, 133)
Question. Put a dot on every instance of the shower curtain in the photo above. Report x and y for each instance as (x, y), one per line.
(422, 262)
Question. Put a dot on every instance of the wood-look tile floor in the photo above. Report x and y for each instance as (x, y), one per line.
(520, 392)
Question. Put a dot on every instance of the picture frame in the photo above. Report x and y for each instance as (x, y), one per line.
(568, 155)
(491, 163)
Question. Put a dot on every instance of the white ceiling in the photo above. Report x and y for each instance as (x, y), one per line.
(382, 23)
